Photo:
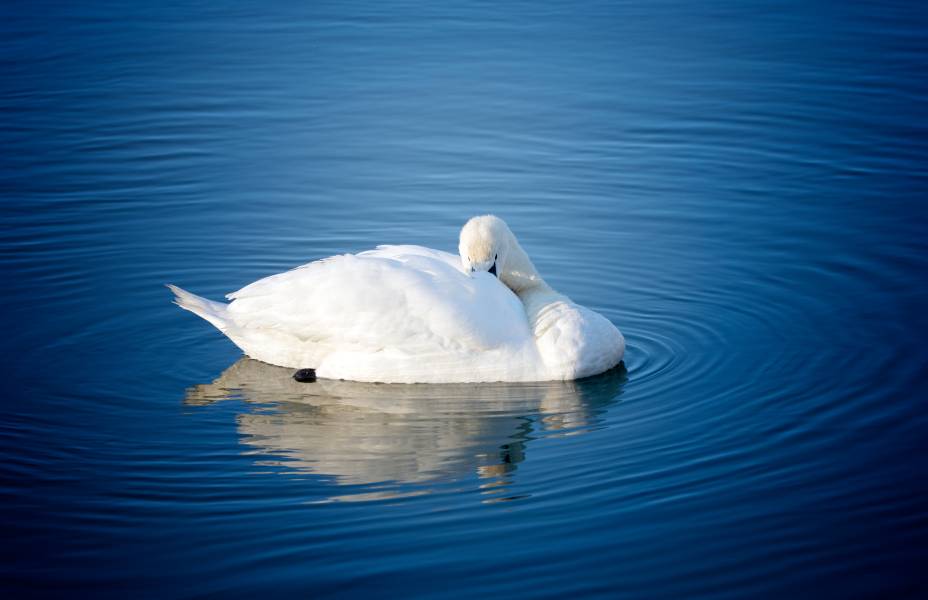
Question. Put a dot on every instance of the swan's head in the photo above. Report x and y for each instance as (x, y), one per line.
(487, 244)
(484, 244)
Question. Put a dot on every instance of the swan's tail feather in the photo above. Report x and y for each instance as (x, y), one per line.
(214, 312)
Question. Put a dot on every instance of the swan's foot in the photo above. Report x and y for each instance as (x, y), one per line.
(305, 375)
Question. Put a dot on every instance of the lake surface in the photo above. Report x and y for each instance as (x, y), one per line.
(739, 186)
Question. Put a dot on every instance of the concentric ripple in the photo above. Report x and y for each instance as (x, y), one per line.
(740, 190)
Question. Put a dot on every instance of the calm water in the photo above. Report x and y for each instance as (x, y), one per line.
(739, 186)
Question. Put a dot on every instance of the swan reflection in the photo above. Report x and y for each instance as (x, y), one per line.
(396, 434)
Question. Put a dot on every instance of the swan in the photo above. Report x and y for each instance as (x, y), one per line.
(409, 314)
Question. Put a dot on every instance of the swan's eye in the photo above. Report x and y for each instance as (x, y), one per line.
(493, 268)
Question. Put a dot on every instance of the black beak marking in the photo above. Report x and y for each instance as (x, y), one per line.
(493, 269)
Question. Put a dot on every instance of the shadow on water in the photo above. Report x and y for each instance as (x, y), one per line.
(398, 440)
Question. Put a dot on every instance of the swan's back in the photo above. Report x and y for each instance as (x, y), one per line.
(397, 313)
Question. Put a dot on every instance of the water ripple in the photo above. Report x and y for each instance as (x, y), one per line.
(742, 196)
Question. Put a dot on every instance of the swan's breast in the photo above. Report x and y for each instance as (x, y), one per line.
(573, 341)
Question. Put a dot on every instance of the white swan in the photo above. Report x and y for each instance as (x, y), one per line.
(408, 314)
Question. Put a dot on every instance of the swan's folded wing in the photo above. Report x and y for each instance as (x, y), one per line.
(400, 298)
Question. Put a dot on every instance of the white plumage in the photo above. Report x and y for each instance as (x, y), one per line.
(406, 314)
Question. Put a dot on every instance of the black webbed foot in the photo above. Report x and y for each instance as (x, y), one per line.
(305, 375)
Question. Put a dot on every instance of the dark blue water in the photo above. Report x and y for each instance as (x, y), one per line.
(739, 186)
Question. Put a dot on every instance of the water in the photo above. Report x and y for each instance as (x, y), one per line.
(738, 186)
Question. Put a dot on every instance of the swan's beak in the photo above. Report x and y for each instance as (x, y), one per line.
(471, 268)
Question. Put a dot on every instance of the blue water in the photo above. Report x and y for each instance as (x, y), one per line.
(739, 186)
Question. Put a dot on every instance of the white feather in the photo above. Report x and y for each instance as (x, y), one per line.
(405, 314)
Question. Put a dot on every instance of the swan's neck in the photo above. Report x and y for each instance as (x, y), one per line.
(545, 309)
(522, 278)
(520, 274)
